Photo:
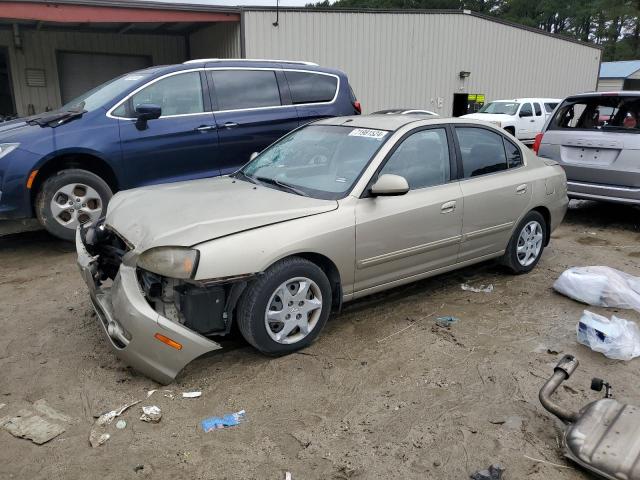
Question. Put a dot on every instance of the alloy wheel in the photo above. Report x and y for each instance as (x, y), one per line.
(529, 243)
(75, 204)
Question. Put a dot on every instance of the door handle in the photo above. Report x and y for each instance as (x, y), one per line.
(448, 207)
(532, 120)
(520, 189)
(230, 125)
(205, 128)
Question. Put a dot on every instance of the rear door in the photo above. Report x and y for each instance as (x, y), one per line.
(313, 93)
(495, 187)
(252, 110)
(596, 139)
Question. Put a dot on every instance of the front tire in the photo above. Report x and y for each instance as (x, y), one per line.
(526, 245)
(70, 198)
(285, 309)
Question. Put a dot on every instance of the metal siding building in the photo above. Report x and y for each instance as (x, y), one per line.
(393, 59)
(615, 76)
(415, 59)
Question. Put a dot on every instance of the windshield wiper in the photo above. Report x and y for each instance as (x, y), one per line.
(280, 184)
(241, 174)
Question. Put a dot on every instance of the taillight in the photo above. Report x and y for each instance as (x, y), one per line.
(357, 106)
(537, 142)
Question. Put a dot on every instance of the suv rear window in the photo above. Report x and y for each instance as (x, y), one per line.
(240, 89)
(621, 113)
(311, 87)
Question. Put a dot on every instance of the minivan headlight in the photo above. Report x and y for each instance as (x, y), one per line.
(173, 262)
(7, 148)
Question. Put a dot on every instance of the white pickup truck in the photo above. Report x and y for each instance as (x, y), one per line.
(521, 117)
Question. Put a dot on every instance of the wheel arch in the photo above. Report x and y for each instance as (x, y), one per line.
(80, 160)
(546, 214)
(511, 129)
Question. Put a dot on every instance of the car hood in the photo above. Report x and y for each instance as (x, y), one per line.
(489, 117)
(188, 213)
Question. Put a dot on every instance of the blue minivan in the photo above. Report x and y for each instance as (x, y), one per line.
(164, 124)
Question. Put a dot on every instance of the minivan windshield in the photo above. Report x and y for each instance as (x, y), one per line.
(599, 112)
(320, 161)
(98, 96)
(503, 108)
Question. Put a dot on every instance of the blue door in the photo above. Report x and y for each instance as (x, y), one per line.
(180, 145)
(252, 110)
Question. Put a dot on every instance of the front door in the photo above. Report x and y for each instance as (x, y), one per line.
(180, 145)
(250, 113)
(526, 122)
(399, 237)
(496, 191)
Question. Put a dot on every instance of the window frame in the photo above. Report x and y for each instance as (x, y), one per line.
(522, 107)
(453, 161)
(504, 137)
(128, 99)
(310, 72)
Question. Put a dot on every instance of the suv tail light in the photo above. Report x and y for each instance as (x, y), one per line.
(357, 106)
(537, 142)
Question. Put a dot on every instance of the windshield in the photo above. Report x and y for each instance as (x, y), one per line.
(504, 108)
(320, 161)
(104, 93)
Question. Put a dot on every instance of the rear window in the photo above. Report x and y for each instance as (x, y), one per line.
(309, 87)
(241, 89)
(598, 113)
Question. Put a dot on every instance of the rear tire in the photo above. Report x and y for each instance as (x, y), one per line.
(526, 245)
(285, 309)
(70, 198)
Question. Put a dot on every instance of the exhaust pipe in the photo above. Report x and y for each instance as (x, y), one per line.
(563, 370)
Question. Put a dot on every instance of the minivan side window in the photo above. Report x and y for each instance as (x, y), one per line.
(526, 110)
(422, 159)
(179, 94)
(606, 113)
(482, 151)
(242, 89)
(311, 87)
(536, 105)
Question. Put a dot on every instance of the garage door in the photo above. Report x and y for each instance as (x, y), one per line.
(80, 72)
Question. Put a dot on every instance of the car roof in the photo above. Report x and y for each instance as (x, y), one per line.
(394, 122)
(620, 93)
(236, 62)
(528, 99)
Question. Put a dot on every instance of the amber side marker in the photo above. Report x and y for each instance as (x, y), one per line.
(32, 177)
(168, 341)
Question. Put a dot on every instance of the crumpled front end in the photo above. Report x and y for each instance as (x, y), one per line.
(148, 328)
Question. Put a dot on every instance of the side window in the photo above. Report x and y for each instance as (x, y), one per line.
(422, 158)
(526, 110)
(549, 107)
(238, 89)
(311, 87)
(514, 155)
(538, 109)
(482, 151)
(176, 95)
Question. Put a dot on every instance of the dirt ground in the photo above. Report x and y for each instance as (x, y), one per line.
(383, 393)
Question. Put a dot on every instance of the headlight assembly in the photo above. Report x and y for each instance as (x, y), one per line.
(173, 262)
(7, 148)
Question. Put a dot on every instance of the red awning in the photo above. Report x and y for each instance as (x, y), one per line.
(66, 13)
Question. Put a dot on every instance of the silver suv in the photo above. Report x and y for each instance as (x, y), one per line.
(596, 139)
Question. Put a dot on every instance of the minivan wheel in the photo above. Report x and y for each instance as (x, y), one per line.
(70, 198)
(527, 244)
(286, 308)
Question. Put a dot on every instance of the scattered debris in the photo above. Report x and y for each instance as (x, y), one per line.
(600, 286)
(615, 338)
(446, 322)
(97, 435)
(32, 427)
(287, 476)
(546, 462)
(151, 413)
(191, 394)
(229, 420)
(151, 392)
(42, 407)
(481, 289)
(2, 405)
(167, 393)
(494, 472)
(121, 424)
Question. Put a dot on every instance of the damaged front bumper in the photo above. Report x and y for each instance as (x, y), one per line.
(135, 330)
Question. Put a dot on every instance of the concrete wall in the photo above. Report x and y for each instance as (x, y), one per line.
(414, 59)
(220, 40)
(39, 51)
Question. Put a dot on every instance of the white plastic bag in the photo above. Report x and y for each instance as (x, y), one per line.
(600, 286)
(616, 338)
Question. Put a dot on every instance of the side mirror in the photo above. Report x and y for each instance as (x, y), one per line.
(389, 185)
(148, 111)
(253, 155)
